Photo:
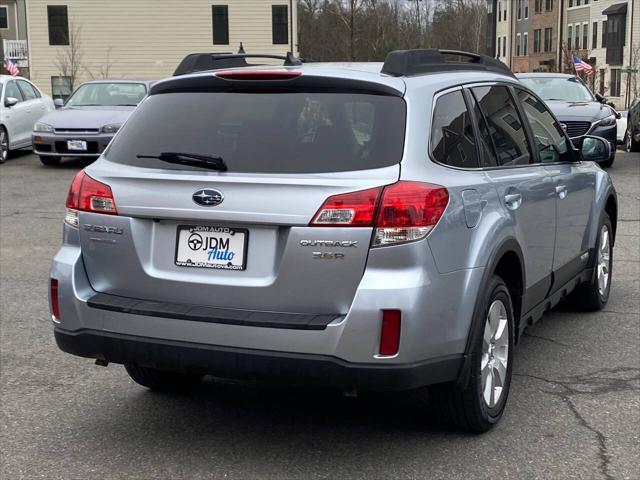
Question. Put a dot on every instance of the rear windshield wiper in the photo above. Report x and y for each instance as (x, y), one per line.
(210, 162)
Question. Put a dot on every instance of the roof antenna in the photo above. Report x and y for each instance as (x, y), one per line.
(241, 49)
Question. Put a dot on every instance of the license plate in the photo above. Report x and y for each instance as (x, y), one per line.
(211, 247)
(77, 145)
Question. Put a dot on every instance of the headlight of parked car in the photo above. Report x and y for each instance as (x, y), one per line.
(42, 127)
(113, 128)
(608, 121)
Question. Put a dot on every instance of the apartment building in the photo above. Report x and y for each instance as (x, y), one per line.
(146, 39)
(503, 30)
(13, 35)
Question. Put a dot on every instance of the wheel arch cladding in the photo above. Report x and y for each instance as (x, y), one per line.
(611, 207)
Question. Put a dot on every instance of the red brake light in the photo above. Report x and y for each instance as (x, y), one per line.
(412, 204)
(354, 209)
(89, 195)
(390, 332)
(53, 294)
(258, 74)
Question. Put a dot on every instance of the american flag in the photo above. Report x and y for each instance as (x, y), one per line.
(581, 66)
(11, 68)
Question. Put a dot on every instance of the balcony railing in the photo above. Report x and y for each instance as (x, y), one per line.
(15, 49)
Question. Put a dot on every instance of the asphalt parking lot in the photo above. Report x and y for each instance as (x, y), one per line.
(574, 408)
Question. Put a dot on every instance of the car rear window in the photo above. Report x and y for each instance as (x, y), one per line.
(266, 132)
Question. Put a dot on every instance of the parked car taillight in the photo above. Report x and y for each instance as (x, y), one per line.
(401, 212)
(88, 195)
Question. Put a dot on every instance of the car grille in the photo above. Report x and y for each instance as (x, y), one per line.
(89, 131)
(576, 129)
(92, 147)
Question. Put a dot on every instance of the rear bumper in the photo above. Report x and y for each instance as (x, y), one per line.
(238, 363)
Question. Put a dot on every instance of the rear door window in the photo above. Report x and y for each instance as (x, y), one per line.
(452, 138)
(501, 123)
(549, 140)
(287, 132)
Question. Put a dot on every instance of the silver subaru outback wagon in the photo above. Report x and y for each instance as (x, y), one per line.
(373, 226)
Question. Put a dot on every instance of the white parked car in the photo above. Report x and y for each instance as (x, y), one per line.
(622, 126)
(21, 106)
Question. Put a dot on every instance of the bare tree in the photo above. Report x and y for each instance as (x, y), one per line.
(69, 61)
(104, 69)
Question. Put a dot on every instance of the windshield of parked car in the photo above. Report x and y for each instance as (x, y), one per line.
(288, 132)
(569, 89)
(107, 95)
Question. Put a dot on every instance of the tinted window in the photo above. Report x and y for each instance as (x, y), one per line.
(548, 137)
(267, 133)
(13, 91)
(452, 140)
(220, 16)
(502, 123)
(27, 90)
(58, 24)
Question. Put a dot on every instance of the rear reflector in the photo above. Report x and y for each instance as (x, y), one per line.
(401, 212)
(390, 332)
(258, 74)
(88, 195)
(53, 294)
(354, 209)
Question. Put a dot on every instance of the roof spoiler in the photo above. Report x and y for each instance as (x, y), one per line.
(401, 63)
(199, 62)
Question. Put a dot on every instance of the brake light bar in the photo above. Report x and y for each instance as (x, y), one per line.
(258, 74)
(401, 212)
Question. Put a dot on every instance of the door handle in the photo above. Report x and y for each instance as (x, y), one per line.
(513, 200)
(561, 191)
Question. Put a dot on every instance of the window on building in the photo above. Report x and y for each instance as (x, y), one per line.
(500, 127)
(504, 46)
(220, 24)
(538, 6)
(548, 5)
(518, 44)
(616, 27)
(605, 29)
(594, 35)
(601, 82)
(570, 3)
(280, 24)
(452, 139)
(548, 38)
(537, 38)
(525, 44)
(585, 36)
(520, 9)
(569, 36)
(61, 87)
(4, 17)
(526, 9)
(499, 12)
(58, 21)
(614, 84)
(576, 37)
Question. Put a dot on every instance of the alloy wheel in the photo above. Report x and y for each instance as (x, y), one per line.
(495, 353)
(4, 146)
(604, 261)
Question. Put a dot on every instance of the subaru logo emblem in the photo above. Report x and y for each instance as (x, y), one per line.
(208, 197)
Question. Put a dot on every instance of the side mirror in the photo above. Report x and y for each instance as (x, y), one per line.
(618, 116)
(600, 98)
(594, 149)
(10, 102)
(58, 102)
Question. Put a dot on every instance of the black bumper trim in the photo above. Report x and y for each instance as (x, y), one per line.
(197, 313)
(238, 363)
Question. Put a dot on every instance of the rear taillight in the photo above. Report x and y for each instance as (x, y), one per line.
(401, 212)
(390, 332)
(53, 294)
(88, 195)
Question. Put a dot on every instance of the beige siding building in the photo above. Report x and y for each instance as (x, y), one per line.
(146, 39)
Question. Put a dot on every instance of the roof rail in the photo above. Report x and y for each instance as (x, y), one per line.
(431, 60)
(198, 62)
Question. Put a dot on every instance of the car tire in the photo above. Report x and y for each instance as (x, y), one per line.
(631, 144)
(475, 408)
(50, 161)
(4, 145)
(161, 380)
(594, 294)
